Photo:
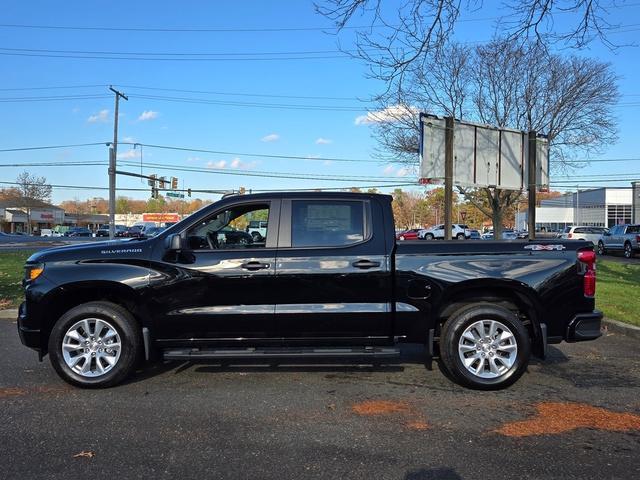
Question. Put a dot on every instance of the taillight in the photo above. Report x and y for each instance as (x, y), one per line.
(638, 238)
(570, 235)
(588, 258)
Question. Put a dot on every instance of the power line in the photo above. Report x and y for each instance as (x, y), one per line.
(176, 54)
(285, 106)
(264, 174)
(51, 98)
(173, 59)
(47, 147)
(258, 155)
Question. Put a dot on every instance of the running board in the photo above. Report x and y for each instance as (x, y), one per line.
(271, 353)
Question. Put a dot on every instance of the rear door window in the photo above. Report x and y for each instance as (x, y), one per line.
(327, 223)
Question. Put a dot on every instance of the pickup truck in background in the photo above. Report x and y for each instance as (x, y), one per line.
(621, 238)
(328, 279)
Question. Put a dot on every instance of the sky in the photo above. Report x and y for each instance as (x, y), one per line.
(264, 94)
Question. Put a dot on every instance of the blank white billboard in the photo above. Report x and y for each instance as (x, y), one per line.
(483, 156)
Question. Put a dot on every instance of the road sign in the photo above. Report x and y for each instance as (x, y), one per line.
(175, 195)
(483, 156)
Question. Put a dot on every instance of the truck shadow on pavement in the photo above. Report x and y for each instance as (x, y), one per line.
(410, 354)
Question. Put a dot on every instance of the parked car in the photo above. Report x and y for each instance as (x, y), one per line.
(134, 232)
(522, 234)
(458, 232)
(331, 284)
(509, 234)
(474, 234)
(46, 232)
(153, 231)
(592, 234)
(78, 232)
(102, 231)
(411, 234)
(258, 230)
(622, 238)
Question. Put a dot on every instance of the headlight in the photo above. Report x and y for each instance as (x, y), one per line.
(33, 271)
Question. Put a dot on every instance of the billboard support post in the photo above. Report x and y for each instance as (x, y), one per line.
(531, 183)
(448, 177)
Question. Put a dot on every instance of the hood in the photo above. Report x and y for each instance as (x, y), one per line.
(126, 248)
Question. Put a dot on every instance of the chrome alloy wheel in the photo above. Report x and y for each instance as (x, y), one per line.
(91, 347)
(487, 349)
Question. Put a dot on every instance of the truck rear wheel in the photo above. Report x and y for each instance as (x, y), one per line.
(94, 345)
(484, 346)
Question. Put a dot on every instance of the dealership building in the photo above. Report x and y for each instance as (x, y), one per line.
(598, 207)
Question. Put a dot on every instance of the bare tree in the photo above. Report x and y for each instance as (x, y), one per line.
(569, 99)
(396, 40)
(32, 189)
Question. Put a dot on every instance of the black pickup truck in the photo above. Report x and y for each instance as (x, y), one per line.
(326, 280)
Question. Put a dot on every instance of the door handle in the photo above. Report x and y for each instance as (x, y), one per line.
(254, 265)
(364, 264)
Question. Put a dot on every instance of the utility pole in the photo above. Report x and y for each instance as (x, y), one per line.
(113, 151)
(577, 205)
(448, 176)
(531, 183)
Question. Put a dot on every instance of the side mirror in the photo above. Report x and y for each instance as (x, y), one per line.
(174, 242)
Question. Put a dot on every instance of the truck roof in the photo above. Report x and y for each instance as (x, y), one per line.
(309, 194)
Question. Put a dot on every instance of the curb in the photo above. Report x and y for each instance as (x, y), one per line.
(615, 326)
(9, 314)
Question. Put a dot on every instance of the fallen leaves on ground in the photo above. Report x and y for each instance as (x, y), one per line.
(85, 454)
(560, 417)
(412, 418)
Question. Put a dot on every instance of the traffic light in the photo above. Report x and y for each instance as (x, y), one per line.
(152, 180)
(163, 182)
(174, 183)
(189, 191)
(154, 192)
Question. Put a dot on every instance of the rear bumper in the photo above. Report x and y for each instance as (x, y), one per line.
(29, 337)
(584, 326)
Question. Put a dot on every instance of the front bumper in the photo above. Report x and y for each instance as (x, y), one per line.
(29, 337)
(584, 326)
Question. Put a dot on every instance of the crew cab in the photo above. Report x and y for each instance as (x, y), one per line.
(328, 279)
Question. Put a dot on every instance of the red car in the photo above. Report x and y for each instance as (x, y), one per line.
(411, 234)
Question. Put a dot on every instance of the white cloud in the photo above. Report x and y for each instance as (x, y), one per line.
(326, 163)
(392, 113)
(148, 115)
(131, 153)
(234, 164)
(218, 164)
(101, 116)
(128, 140)
(389, 169)
(272, 137)
(323, 141)
(403, 172)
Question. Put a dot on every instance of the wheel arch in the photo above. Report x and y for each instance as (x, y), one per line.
(67, 296)
(515, 296)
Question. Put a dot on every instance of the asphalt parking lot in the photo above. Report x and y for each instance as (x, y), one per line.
(575, 415)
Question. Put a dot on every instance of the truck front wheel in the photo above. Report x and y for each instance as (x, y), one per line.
(94, 345)
(484, 346)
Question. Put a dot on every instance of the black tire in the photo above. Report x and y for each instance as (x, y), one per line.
(256, 237)
(460, 236)
(429, 236)
(124, 324)
(455, 326)
(628, 251)
(601, 249)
